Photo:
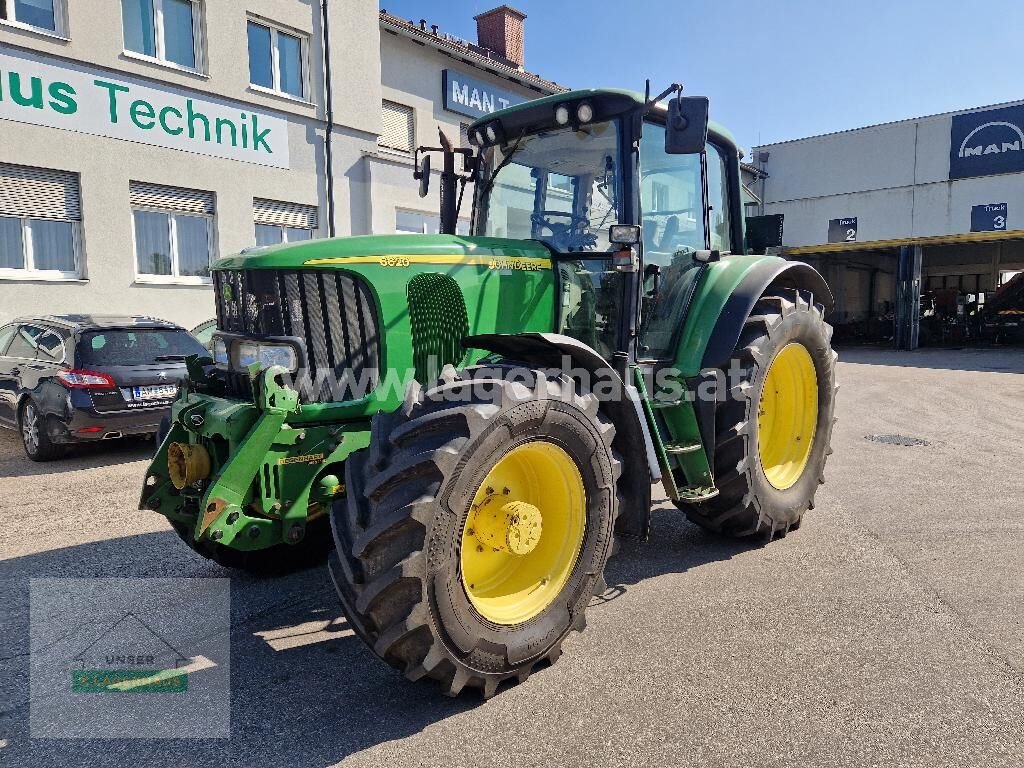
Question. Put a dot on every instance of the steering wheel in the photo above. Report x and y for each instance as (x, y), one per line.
(565, 236)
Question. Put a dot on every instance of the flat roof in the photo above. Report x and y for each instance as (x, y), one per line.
(936, 116)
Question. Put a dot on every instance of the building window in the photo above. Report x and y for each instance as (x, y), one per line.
(49, 15)
(174, 233)
(419, 223)
(280, 222)
(277, 60)
(169, 31)
(398, 127)
(40, 223)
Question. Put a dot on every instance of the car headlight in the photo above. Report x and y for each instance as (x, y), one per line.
(266, 355)
(220, 352)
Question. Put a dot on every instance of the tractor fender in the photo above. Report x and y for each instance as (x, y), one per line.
(771, 272)
(641, 468)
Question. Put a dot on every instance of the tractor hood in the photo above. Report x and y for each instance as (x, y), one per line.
(385, 249)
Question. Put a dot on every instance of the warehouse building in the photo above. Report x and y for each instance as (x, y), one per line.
(917, 225)
(143, 139)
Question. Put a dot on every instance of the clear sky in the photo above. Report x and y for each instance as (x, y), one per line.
(774, 70)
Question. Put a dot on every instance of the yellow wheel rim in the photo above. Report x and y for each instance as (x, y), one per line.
(524, 533)
(787, 416)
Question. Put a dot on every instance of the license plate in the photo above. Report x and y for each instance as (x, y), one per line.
(158, 392)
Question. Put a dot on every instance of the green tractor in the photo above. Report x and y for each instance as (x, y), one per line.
(470, 422)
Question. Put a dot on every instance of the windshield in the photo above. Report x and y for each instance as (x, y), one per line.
(138, 347)
(560, 186)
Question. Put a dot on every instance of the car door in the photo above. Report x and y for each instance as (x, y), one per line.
(6, 384)
(17, 362)
(48, 393)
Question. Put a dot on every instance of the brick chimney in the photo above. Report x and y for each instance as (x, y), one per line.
(501, 30)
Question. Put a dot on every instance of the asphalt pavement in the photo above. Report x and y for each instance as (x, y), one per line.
(887, 630)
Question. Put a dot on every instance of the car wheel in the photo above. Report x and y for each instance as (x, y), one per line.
(34, 436)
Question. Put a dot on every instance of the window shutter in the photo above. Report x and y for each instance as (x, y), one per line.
(398, 127)
(281, 214)
(39, 193)
(145, 195)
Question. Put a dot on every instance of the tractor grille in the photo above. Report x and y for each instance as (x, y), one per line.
(332, 312)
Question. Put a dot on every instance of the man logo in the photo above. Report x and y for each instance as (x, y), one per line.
(994, 148)
(987, 143)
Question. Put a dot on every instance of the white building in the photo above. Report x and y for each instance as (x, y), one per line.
(142, 139)
(945, 191)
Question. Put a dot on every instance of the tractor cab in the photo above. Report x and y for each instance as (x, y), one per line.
(630, 196)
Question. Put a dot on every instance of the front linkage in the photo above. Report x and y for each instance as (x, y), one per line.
(241, 485)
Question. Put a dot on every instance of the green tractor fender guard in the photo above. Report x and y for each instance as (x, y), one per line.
(770, 272)
(727, 306)
(547, 350)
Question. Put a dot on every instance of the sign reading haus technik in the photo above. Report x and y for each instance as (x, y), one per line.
(987, 143)
(79, 99)
(469, 96)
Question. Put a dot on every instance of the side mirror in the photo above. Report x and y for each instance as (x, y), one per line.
(423, 175)
(686, 129)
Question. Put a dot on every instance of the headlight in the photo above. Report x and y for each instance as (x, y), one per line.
(562, 114)
(266, 355)
(584, 112)
(492, 133)
(220, 352)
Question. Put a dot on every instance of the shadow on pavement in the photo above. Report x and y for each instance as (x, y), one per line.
(305, 691)
(982, 359)
(107, 453)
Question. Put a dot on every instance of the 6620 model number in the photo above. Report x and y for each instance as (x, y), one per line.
(394, 261)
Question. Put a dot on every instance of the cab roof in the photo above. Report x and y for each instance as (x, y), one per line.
(624, 100)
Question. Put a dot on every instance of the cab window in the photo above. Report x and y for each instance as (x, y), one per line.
(718, 200)
(671, 198)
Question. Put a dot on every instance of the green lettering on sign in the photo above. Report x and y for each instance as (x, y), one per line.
(112, 89)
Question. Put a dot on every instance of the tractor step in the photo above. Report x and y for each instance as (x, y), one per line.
(694, 494)
(677, 448)
(663, 404)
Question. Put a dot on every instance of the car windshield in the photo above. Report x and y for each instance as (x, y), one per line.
(560, 186)
(135, 347)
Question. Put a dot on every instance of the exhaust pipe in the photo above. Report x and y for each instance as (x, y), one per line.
(112, 436)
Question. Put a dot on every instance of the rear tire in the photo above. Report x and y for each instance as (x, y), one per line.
(749, 503)
(34, 437)
(403, 533)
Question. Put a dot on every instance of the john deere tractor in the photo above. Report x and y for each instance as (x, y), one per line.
(471, 422)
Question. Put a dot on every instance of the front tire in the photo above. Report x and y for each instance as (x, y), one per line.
(477, 526)
(774, 425)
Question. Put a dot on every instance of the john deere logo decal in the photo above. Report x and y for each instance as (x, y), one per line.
(227, 293)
